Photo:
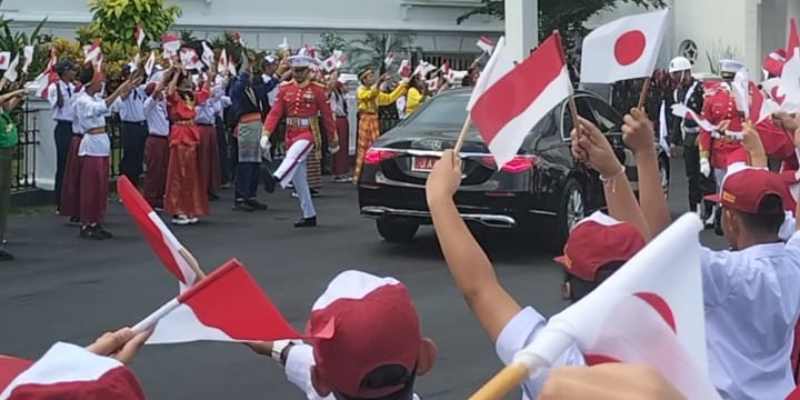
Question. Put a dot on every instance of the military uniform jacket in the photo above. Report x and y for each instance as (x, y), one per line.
(301, 101)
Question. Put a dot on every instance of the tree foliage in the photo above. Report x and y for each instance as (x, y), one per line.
(329, 42)
(116, 20)
(374, 47)
(14, 42)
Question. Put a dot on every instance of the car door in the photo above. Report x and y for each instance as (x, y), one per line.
(610, 123)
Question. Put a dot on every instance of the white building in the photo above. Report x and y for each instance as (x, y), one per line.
(747, 30)
(264, 23)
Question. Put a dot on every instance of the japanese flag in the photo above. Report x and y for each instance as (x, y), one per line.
(623, 49)
(41, 85)
(161, 240)
(93, 53)
(405, 69)
(11, 74)
(208, 55)
(5, 60)
(190, 60)
(648, 312)
(222, 63)
(27, 53)
(227, 306)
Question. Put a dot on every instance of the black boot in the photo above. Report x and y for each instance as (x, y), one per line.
(91, 232)
(306, 223)
(5, 256)
(269, 182)
(242, 205)
(256, 205)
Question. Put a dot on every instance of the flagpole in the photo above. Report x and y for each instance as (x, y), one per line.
(644, 93)
(462, 135)
(152, 319)
(192, 261)
(504, 382)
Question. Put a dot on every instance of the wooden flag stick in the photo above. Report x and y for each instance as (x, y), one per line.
(462, 136)
(573, 111)
(192, 262)
(644, 93)
(504, 382)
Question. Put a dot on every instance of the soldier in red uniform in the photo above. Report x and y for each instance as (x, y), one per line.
(298, 101)
(719, 108)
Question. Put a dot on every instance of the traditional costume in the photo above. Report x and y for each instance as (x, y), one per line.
(341, 160)
(156, 150)
(369, 99)
(185, 198)
(299, 102)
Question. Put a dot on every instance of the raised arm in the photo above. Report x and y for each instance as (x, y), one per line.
(384, 99)
(640, 138)
(471, 269)
(592, 147)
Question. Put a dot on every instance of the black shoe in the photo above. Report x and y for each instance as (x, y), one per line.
(314, 192)
(306, 223)
(103, 233)
(5, 256)
(269, 183)
(90, 232)
(256, 205)
(74, 220)
(212, 197)
(241, 205)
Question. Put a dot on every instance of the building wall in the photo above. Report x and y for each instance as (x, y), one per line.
(264, 23)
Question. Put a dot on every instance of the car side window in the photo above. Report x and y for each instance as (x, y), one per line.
(607, 119)
(584, 110)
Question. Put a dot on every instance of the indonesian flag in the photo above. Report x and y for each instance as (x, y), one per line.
(508, 101)
(68, 371)
(150, 64)
(139, 35)
(41, 85)
(227, 306)
(648, 312)
(93, 53)
(170, 43)
(790, 77)
(222, 63)
(27, 53)
(486, 44)
(161, 240)
(405, 68)
(5, 60)
(11, 74)
(623, 49)
(190, 60)
(793, 43)
(208, 54)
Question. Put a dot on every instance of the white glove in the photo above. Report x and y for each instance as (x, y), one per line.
(334, 149)
(265, 144)
(705, 167)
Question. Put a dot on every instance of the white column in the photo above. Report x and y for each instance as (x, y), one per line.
(45, 150)
(522, 26)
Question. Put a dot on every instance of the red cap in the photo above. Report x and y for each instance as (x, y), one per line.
(374, 324)
(743, 188)
(597, 241)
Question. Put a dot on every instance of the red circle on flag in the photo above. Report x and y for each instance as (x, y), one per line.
(630, 47)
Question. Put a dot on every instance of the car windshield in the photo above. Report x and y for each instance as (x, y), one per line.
(445, 111)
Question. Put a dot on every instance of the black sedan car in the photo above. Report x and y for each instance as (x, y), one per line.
(542, 189)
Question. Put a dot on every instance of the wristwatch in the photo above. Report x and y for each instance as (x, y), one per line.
(280, 350)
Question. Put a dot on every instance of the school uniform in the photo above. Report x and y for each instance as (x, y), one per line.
(94, 153)
(63, 115)
(133, 133)
(156, 151)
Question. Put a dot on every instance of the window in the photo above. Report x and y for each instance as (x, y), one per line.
(608, 119)
(584, 110)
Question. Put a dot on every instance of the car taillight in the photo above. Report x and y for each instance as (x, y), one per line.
(377, 156)
(517, 165)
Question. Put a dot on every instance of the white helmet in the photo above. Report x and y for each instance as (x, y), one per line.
(679, 64)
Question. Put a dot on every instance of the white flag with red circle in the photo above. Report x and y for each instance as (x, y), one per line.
(5, 60)
(650, 312)
(623, 49)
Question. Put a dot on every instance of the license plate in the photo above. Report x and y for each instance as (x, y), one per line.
(423, 164)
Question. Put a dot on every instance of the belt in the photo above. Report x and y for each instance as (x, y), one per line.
(185, 122)
(298, 122)
(158, 136)
(204, 124)
(63, 121)
(139, 123)
(248, 118)
(96, 131)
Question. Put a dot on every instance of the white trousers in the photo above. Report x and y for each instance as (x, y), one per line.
(294, 169)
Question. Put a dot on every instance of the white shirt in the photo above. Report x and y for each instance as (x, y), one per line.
(299, 362)
(752, 302)
(131, 108)
(518, 334)
(76, 123)
(66, 112)
(272, 94)
(157, 117)
(92, 113)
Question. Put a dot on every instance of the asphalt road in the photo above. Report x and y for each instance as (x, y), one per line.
(65, 288)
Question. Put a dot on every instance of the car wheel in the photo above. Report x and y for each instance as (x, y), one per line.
(572, 211)
(394, 231)
(664, 173)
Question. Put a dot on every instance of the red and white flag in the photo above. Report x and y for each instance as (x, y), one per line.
(161, 240)
(232, 67)
(226, 306)
(68, 371)
(222, 63)
(11, 74)
(648, 312)
(486, 44)
(190, 60)
(208, 55)
(27, 53)
(623, 49)
(793, 43)
(405, 68)
(150, 64)
(41, 85)
(139, 35)
(5, 60)
(330, 64)
(509, 100)
(170, 43)
(93, 53)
